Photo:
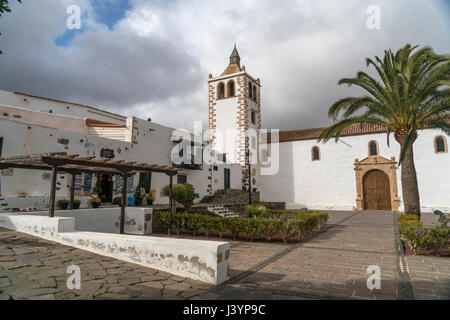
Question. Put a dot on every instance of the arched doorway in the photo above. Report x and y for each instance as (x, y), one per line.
(376, 191)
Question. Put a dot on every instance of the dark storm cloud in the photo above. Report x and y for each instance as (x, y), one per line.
(117, 69)
(155, 61)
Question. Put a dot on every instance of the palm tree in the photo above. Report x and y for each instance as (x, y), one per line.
(411, 92)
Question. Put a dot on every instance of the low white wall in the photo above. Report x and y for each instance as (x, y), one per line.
(195, 259)
(207, 261)
(137, 220)
(34, 203)
(44, 227)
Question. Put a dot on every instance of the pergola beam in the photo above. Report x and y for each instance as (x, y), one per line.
(124, 203)
(74, 164)
(170, 204)
(51, 212)
(72, 190)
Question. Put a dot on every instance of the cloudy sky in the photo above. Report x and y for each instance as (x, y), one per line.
(152, 58)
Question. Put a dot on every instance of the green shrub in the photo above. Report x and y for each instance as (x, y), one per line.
(286, 229)
(163, 220)
(411, 230)
(322, 218)
(256, 210)
(268, 205)
(253, 227)
(178, 222)
(235, 226)
(291, 226)
(271, 227)
(297, 229)
(182, 193)
(220, 225)
(416, 236)
(435, 238)
(193, 222)
(208, 224)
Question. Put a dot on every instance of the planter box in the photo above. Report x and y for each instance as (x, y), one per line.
(443, 252)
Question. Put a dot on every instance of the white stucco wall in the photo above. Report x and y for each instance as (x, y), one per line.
(226, 127)
(207, 261)
(107, 220)
(56, 107)
(21, 139)
(330, 183)
(27, 189)
(199, 178)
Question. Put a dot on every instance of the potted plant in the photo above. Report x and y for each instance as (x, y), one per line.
(76, 204)
(95, 202)
(138, 195)
(150, 198)
(63, 204)
(117, 201)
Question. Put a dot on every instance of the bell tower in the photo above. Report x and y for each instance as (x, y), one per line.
(234, 115)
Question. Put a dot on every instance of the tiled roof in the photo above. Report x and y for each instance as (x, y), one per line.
(313, 134)
(232, 68)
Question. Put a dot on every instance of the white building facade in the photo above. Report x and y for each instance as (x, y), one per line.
(358, 172)
(341, 176)
(36, 125)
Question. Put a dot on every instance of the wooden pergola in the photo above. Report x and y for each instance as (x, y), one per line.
(74, 164)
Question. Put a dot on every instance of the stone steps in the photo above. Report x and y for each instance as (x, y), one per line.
(222, 211)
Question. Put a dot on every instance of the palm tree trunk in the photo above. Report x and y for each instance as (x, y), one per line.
(410, 188)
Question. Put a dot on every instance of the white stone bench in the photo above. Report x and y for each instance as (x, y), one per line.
(207, 261)
(137, 220)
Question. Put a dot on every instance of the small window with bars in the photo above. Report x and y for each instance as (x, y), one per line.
(440, 144)
(373, 148)
(315, 153)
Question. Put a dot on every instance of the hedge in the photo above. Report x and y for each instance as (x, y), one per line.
(417, 237)
(290, 227)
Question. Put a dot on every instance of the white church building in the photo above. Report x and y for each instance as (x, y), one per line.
(358, 172)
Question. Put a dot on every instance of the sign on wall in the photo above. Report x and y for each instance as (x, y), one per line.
(78, 182)
(107, 153)
(87, 181)
(118, 183)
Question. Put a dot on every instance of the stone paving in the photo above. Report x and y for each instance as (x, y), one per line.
(33, 268)
(430, 277)
(331, 265)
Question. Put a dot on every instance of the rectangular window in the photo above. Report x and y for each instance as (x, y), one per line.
(253, 117)
(181, 179)
(145, 178)
(222, 157)
(226, 178)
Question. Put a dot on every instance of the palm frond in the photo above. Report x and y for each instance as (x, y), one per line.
(413, 92)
